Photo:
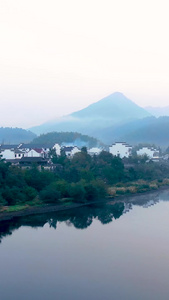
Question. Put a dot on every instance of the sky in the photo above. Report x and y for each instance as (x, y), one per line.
(57, 57)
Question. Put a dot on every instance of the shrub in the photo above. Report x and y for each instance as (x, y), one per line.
(30, 193)
(63, 187)
(120, 192)
(50, 194)
(77, 191)
(91, 192)
(2, 201)
(101, 187)
(166, 181)
(13, 195)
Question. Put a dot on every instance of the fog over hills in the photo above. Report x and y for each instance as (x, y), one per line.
(154, 132)
(112, 119)
(158, 111)
(109, 111)
(149, 130)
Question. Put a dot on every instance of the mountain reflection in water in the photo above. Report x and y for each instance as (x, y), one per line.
(83, 217)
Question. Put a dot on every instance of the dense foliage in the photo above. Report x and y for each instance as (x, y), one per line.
(82, 178)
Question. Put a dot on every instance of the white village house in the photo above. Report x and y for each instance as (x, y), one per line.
(94, 151)
(33, 150)
(35, 153)
(7, 154)
(10, 152)
(19, 153)
(151, 152)
(57, 148)
(70, 151)
(120, 149)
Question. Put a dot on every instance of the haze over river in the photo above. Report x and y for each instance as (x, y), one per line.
(116, 250)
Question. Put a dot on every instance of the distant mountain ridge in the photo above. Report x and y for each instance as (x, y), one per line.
(10, 135)
(149, 130)
(111, 110)
(158, 111)
(154, 132)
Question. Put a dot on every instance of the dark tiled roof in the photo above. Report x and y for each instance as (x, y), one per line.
(18, 151)
(15, 161)
(67, 148)
(37, 150)
(3, 147)
(37, 146)
(32, 159)
(123, 143)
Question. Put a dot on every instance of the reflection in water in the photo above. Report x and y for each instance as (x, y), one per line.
(83, 217)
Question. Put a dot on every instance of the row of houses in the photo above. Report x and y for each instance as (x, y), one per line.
(18, 152)
(25, 152)
(123, 149)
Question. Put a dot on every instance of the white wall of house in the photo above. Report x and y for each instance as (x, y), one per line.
(45, 152)
(94, 151)
(57, 149)
(7, 154)
(75, 150)
(19, 155)
(70, 152)
(150, 152)
(120, 149)
(33, 153)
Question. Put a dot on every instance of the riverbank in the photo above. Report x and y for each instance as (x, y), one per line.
(136, 187)
(27, 210)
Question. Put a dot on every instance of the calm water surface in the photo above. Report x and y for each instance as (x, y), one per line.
(104, 251)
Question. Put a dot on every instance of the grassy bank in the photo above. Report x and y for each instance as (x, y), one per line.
(36, 203)
(140, 186)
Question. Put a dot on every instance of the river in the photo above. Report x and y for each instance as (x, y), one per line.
(113, 250)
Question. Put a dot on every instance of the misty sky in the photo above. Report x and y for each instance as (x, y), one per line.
(60, 56)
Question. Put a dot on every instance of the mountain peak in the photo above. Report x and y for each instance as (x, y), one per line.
(113, 106)
(111, 110)
(117, 94)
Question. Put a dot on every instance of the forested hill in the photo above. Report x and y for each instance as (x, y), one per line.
(10, 135)
(73, 138)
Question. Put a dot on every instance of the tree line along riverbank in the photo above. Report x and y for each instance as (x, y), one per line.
(81, 179)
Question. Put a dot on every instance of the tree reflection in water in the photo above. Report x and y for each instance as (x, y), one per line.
(80, 218)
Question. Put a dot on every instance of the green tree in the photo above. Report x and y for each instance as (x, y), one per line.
(50, 193)
(77, 191)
